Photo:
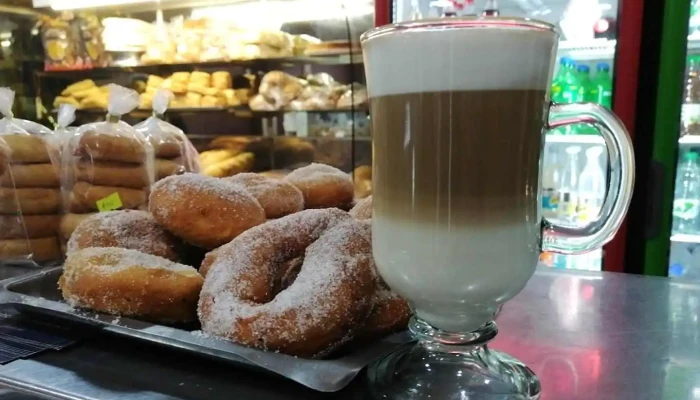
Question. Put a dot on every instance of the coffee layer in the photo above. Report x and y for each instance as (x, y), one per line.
(460, 157)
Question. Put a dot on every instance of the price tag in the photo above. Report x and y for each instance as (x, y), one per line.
(109, 203)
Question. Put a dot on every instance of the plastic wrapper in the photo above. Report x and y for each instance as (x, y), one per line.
(174, 153)
(30, 195)
(106, 165)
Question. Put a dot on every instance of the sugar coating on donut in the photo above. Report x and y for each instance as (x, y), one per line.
(315, 172)
(107, 261)
(130, 229)
(229, 191)
(267, 190)
(326, 267)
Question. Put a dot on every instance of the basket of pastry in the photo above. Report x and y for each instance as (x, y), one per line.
(288, 282)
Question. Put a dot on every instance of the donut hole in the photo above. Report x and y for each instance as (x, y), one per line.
(287, 271)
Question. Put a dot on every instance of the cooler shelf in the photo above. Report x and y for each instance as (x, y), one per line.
(685, 238)
(574, 139)
(597, 49)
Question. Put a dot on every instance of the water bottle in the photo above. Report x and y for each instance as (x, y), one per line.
(686, 202)
(591, 186)
(551, 178)
(568, 190)
(601, 86)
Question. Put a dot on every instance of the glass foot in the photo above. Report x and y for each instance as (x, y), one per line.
(435, 368)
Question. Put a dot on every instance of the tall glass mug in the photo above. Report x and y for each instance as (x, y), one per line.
(459, 110)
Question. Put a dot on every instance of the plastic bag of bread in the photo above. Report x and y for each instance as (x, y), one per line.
(30, 199)
(174, 153)
(106, 165)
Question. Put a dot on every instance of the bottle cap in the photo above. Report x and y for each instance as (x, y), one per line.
(603, 67)
(583, 68)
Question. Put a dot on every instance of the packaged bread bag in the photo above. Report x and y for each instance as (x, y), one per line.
(30, 195)
(174, 153)
(107, 165)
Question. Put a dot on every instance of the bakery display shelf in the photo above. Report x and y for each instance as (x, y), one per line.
(259, 63)
(38, 294)
(238, 111)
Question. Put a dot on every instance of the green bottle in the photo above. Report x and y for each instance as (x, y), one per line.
(570, 91)
(584, 96)
(601, 86)
(558, 81)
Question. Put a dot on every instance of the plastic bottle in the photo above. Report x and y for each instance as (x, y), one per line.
(692, 82)
(568, 195)
(686, 201)
(591, 186)
(601, 86)
(490, 9)
(570, 82)
(558, 81)
(583, 73)
(694, 21)
(551, 178)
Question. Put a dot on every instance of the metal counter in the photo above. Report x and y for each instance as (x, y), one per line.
(587, 335)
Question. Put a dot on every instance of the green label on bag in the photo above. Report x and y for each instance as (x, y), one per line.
(109, 203)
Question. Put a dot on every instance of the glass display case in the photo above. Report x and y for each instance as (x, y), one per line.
(575, 161)
(282, 80)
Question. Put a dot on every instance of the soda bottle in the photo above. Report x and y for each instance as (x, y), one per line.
(558, 81)
(686, 201)
(591, 186)
(601, 86)
(570, 82)
(584, 79)
(692, 82)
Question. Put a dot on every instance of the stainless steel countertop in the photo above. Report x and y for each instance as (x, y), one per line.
(587, 335)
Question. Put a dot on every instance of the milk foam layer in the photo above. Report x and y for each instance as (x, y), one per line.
(424, 60)
(456, 278)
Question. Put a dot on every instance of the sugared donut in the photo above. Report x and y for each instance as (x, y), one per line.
(128, 229)
(320, 310)
(363, 209)
(209, 259)
(323, 186)
(390, 314)
(5, 153)
(130, 283)
(277, 197)
(204, 211)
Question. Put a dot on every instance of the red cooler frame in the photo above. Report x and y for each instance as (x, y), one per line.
(625, 80)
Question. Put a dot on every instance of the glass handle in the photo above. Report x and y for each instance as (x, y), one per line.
(568, 240)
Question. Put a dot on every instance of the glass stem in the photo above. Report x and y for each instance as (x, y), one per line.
(438, 340)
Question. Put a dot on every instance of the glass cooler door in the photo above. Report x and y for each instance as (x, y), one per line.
(575, 159)
(684, 254)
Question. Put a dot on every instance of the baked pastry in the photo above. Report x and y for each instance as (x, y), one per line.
(85, 196)
(28, 226)
(112, 173)
(363, 209)
(31, 176)
(319, 311)
(221, 80)
(127, 229)
(106, 147)
(5, 153)
(168, 167)
(204, 211)
(30, 201)
(71, 89)
(277, 197)
(69, 222)
(323, 186)
(390, 314)
(113, 280)
(38, 249)
(27, 148)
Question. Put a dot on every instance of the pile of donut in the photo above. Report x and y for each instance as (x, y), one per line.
(287, 268)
